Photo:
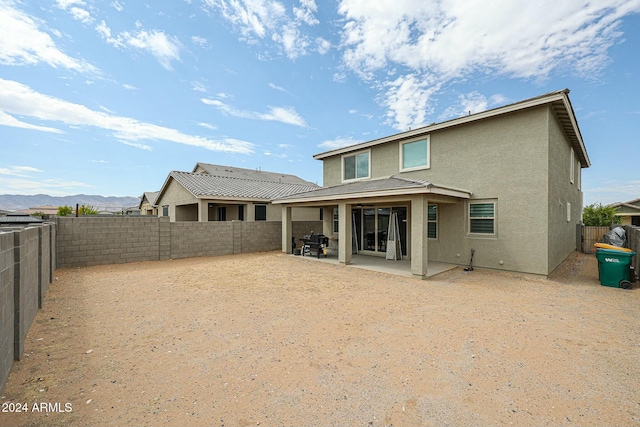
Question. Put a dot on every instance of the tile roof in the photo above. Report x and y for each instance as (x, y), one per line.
(151, 197)
(201, 184)
(251, 174)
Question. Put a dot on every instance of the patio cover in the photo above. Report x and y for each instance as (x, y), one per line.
(391, 187)
(394, 188)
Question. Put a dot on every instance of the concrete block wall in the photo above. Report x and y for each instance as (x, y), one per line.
(44, 262)
(6, 304)
(261, 236)
(26, 284)
(194, 239)
(87, 241)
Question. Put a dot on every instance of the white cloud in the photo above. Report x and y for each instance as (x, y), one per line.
(200, 41)
(339, 142)
(280, 88)
(8, 120)
(136, 145)
(53, 187)
(324, 46)
(21, 100)
(286, 115)
(163, 47)
(117, 6)
(431, 43)
(264, 19)
(21, 171)
(207, 126)
(23, 43)
(198, 87)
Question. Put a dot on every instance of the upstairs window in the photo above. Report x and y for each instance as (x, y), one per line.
(414, 155)
(482, 218)
(572, 166)
(356, 166)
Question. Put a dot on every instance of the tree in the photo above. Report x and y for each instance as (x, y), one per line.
(65, 210)
(598, 215)
(38, 213)
(87, 210)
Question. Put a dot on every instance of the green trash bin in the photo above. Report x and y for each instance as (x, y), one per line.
(614, 267)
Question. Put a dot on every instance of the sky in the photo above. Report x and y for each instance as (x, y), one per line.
(108, 97)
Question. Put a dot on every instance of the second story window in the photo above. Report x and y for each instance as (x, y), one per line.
(356, 166)
(414, 155)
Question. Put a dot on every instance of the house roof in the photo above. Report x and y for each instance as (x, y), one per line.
(249, 174)
(559, 100)
(391, 186)
(19, 218)
(630, 208)
(151, 197)
(205, 185)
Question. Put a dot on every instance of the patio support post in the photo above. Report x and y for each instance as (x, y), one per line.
(327, 221)
(419, 252)
(344, 233)
(287, 229)
(203, 211)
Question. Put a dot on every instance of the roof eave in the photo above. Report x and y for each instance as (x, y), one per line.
(558, 96)
(431, 189)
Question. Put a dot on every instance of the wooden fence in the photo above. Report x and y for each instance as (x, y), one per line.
(587, 236)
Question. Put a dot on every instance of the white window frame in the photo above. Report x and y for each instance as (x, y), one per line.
(435, 221)
(495, 217)
(415, 168)
(354, 154)
(572, 167)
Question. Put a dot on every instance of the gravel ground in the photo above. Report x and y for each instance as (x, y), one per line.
(270, 339)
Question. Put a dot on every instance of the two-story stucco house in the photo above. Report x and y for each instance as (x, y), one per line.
(504, 182)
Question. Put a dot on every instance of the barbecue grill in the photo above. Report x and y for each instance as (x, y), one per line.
(314, 245)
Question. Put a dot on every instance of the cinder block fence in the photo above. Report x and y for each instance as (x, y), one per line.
(88, 241)
(29, 257)
(27, 263)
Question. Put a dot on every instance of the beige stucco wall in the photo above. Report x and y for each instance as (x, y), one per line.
(506, 159)
(175, 195)
(561, 233)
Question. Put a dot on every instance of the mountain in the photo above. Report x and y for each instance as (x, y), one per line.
(15, 202)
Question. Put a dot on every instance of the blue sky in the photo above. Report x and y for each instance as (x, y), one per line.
(107, 97)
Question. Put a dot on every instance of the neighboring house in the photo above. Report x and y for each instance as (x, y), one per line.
(148, 204)
(46, 210)
(224, 193)
(3, 212)
(629, 212)
(505, 182)
(19, 219)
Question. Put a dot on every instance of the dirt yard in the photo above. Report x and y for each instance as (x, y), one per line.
(270, 339)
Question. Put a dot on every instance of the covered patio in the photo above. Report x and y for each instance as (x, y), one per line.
(382, 265)
(394, 192)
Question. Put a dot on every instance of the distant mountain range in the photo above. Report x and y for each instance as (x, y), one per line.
(16, 202)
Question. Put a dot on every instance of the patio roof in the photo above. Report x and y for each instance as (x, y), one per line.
(392, 186)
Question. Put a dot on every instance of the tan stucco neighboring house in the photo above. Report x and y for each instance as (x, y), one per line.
(629, 212)
(148, 204)
(505, 182)
(224, 193)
